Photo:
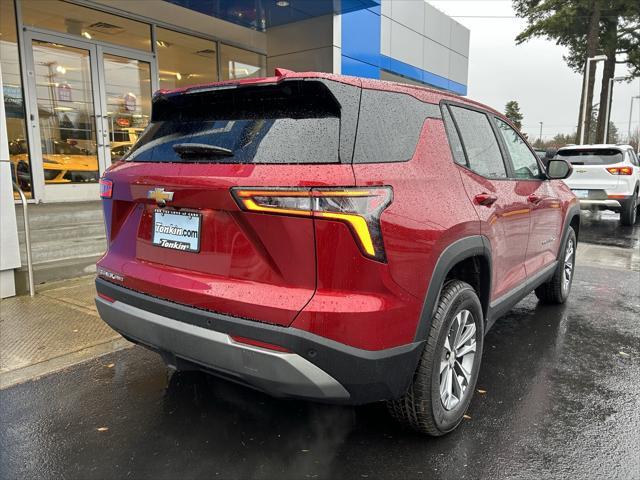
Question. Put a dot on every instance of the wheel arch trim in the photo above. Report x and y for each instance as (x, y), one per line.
(454, 253)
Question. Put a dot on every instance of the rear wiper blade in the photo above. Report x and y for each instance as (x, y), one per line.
(195, 149)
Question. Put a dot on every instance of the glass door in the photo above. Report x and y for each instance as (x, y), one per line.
(88, 103)
(64, 117)
(127, 85)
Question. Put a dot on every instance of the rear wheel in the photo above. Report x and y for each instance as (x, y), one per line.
(446, 376)
(629, 212)
(556, 290)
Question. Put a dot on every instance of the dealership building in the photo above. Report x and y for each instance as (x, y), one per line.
(78, 77)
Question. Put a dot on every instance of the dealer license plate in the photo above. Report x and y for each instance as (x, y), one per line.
(581, 193)
(177, 230)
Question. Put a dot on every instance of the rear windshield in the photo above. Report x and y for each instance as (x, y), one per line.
(591, 157)
(293, 122)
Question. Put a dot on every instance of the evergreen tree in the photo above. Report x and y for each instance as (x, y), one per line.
(587, 28)
(512, 112)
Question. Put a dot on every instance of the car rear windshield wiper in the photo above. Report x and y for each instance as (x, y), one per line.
(201, 149)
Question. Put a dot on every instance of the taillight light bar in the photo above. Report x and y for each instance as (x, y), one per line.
(359, 208)
(106, 188)
(620, 170)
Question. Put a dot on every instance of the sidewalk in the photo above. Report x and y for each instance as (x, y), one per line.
(57, 328)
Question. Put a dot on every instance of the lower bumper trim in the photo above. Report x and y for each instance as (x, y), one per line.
(366, 375)
(586, 204)
(277, 373)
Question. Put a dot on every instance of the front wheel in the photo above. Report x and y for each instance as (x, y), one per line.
(445, 379)
(556, 289)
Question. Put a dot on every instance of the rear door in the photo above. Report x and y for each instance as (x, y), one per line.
(175, 230)
(503, 211)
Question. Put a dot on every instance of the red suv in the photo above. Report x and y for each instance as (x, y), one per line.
(331, 238)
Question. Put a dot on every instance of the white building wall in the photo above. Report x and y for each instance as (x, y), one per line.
(9, 248)
(415, 32)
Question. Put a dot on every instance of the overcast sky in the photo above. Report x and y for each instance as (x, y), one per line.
(534, 73)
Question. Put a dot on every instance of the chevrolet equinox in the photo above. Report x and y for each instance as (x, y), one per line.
(331, 238)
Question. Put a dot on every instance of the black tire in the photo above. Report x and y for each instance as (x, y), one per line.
(422, 407)
(556, 291)
(629, 212)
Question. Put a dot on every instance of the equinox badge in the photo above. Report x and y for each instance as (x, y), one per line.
(160, 196)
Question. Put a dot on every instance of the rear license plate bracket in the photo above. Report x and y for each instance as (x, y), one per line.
(177, 230)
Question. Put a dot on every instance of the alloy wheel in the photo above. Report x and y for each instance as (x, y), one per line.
(568, 265)
(456, 364)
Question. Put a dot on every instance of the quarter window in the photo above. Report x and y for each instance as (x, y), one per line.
(480, 143)
(525, 164)
(389, 126)
(454, 140)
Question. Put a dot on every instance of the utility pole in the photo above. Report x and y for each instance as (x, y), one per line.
(540, 137)
(630, 117)
(608, 115)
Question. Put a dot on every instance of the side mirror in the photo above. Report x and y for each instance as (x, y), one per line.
(558, 169)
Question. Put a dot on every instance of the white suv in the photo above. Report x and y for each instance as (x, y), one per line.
(605, 177)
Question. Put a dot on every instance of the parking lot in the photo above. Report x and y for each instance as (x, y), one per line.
(558, 396)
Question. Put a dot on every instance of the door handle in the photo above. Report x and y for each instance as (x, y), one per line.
(485, 199)
(533, 198)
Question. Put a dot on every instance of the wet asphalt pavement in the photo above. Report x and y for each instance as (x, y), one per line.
(562, 399)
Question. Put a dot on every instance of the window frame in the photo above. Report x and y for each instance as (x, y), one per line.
(501, 147)
(542, 175)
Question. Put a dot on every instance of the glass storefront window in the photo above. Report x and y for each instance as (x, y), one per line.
(66, 112)
(86, 23)
(184, 59)
(14, 99)
(238, 63)
(128, 88)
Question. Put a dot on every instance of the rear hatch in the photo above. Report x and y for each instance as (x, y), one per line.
(175, 230)
(590, 177)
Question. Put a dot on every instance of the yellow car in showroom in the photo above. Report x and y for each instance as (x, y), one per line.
(62, 163)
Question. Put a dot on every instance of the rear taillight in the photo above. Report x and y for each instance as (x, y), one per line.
(106, 188)
(620, 170)
(359, 208)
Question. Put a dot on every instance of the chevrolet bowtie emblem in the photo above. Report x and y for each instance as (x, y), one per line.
(160, 196)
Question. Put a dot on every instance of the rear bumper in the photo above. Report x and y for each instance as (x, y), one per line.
(589, 204)
(316, 369)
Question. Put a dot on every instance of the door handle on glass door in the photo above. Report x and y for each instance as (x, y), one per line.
(485, 199)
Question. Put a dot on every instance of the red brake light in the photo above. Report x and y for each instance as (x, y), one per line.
(106, 188)
(106, 297)
(359, 208)
(620, 170)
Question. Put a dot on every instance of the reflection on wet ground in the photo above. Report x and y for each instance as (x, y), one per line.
(604, 228)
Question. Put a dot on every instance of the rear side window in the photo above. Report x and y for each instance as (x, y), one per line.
(389, 126)
(480, 143)
(600, 156)
(293, 122)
